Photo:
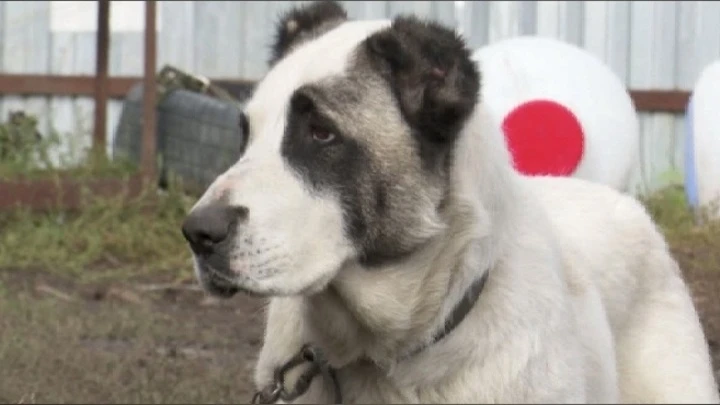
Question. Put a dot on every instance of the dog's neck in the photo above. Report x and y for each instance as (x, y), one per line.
(387, 312)
(383, 314)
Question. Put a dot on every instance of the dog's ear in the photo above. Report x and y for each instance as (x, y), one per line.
(429, 68)
(304, 22)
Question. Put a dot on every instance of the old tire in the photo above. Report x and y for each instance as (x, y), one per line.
(198, 136)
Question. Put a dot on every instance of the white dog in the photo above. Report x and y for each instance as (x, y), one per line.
(376, 204)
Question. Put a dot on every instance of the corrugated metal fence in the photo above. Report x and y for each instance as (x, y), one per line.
(649, 44)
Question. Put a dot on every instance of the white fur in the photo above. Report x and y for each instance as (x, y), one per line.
(583, 302)
(299, 236)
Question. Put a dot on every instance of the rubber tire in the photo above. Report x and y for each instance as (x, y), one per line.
(199, 137)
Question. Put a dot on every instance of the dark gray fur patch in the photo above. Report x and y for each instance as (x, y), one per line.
(429, 69)
(395, 115)
(303, 23)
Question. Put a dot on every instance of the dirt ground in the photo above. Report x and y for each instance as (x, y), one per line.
(142, 342)
(133, 343)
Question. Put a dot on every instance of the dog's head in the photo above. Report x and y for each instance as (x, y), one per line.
(351, 143)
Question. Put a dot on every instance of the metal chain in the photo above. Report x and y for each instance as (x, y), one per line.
(318, 365)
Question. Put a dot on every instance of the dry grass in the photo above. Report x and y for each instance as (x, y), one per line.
(108, 239)
(687, 232)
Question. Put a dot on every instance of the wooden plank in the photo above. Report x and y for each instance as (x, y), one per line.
(101, 76)
(668, 101)
(149, 124)
(63, 85)
(65, 193)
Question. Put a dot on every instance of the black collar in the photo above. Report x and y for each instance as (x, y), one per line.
(458, 314)
(319, 365)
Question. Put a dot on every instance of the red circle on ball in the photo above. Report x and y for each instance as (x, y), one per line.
(544, 138)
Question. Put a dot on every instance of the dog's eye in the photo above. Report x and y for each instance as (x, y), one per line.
(321, 135)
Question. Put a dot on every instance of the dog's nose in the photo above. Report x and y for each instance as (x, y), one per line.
(209, 225)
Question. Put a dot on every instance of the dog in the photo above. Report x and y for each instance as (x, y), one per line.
(377, 206)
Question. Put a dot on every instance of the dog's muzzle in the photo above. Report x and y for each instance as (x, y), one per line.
(209, 230)
(216, 282)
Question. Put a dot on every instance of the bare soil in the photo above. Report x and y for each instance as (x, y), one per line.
(68, 343)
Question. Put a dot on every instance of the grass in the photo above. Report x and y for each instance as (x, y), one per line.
(685, 230)
(108, 239)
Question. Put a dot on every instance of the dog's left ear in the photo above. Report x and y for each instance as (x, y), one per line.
(304, 22)
(429, 68)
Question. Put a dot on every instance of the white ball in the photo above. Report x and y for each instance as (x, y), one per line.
(518, 70)
(702, 169)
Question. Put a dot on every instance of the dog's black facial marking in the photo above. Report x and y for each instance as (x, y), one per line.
(344, 168)
(323, 164)
(429, 69)
(305, 22)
